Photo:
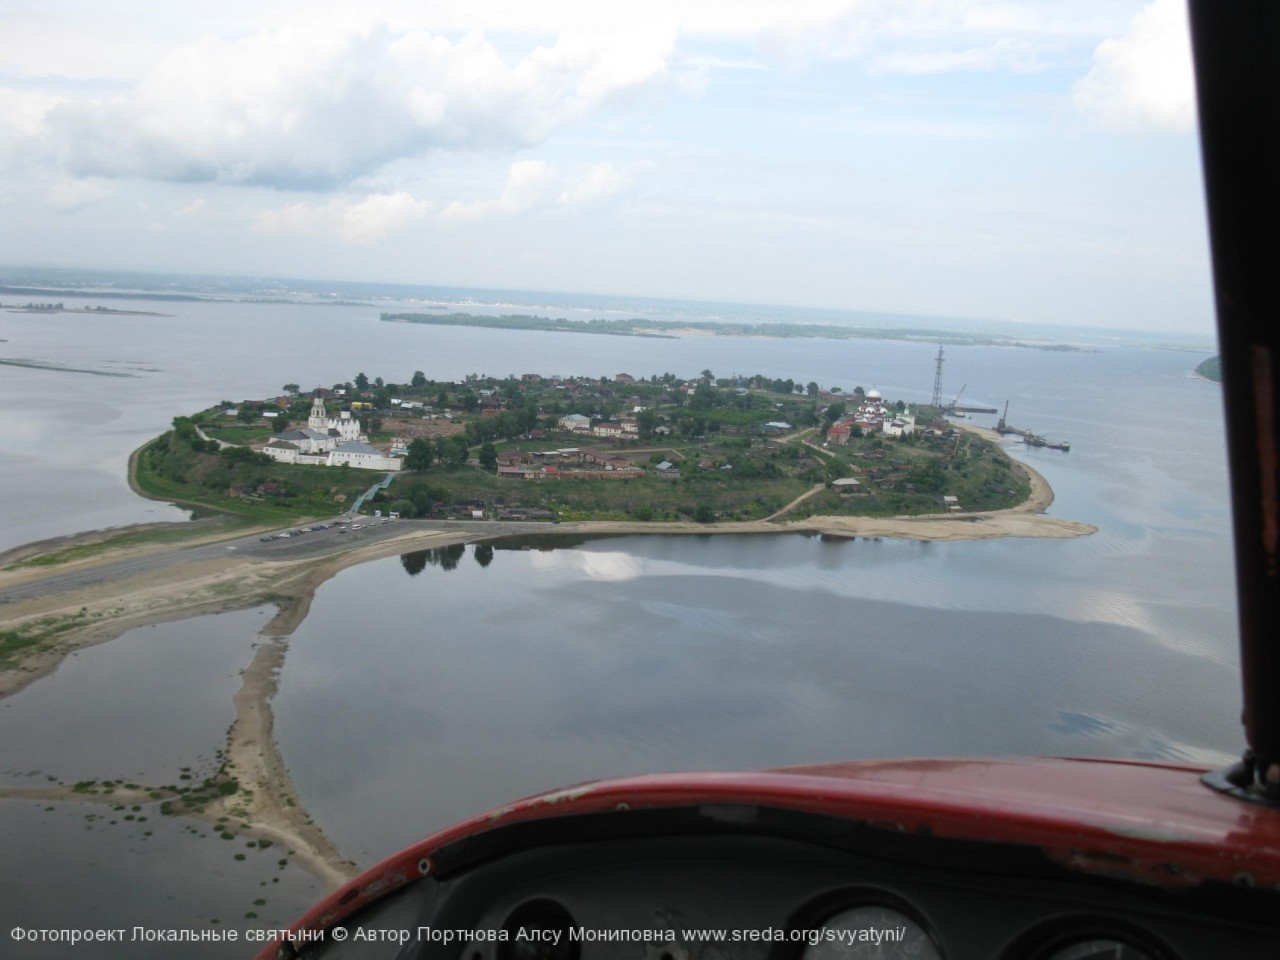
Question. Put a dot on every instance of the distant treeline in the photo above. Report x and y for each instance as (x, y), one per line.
(615, 328)
(671, 328)
(105, 295)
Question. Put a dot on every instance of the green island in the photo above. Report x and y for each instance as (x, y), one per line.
(1211, 369)
(706, 449)
(59, 307)
(673, 328)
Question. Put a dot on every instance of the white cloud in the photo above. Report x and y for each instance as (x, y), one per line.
(22, 123)
(381, 215)
(527, 185)
(1007, 53)
(300, 217)
(1143, 82)
(933, 36)
(535, 184)
(67, 196)
(592, 184)
(363, 222)
(320, 104)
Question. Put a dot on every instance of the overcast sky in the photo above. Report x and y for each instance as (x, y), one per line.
(1008, 159)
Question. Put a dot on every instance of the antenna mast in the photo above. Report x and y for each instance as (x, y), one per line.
(937, 382)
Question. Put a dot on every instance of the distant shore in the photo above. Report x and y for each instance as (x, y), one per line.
(208, 584)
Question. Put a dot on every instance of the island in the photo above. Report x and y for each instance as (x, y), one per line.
(1211, 369)
(59, 307)
(299, 486)
(668, 329)
(616, 448)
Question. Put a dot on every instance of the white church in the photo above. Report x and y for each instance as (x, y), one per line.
(328, 442)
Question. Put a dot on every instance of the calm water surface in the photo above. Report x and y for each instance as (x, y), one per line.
(81, 865)
(474, 685)
(144, 707)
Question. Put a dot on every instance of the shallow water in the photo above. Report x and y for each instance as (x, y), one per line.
(161, 873)
(146, 707)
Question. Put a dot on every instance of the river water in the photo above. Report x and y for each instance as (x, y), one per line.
(427, 696)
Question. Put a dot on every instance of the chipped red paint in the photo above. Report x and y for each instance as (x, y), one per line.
(1154, 823)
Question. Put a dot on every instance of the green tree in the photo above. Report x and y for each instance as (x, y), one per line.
(419, 379)
(646, 421)
(458, 450)
(420, 455)
(246, 414)
(362, 382)
(703, 397)
(291, 388)
(704, 513)
(488, 456)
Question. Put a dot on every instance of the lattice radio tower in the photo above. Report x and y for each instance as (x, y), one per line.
(937, 382)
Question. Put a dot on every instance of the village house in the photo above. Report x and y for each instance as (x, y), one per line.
(606, 429)
(900, 426)
(575, 422)
(840, 432)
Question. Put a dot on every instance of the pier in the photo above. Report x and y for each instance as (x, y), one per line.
(1029, 438)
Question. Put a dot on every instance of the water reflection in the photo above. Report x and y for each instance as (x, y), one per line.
(641, 654)
(446, 558)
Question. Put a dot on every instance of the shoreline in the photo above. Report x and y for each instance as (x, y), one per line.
(269, 804)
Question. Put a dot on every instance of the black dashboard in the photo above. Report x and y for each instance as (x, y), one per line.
(752, 883)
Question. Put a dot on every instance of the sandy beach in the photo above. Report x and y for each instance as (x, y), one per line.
(89, 609)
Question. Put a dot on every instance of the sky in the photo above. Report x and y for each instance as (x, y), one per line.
(1025, 160)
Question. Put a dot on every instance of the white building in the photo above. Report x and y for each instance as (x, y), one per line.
(328, 441)
(362, 456)
(344, 426)
(900, 426)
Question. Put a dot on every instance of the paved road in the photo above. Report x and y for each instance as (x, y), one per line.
(333, 539)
